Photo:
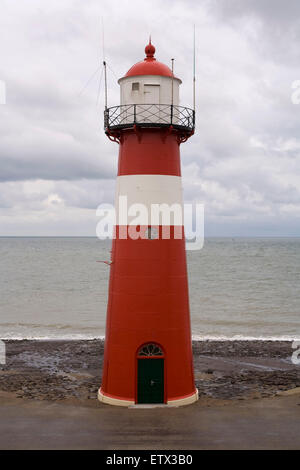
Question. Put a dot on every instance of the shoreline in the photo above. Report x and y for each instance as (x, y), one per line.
(194, 338)
(59, 369)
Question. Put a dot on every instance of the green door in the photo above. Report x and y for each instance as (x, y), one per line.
(150, 381)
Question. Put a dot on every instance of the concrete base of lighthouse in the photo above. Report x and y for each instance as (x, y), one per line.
(182, 401)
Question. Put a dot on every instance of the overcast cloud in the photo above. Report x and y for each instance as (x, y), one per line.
(56, 165)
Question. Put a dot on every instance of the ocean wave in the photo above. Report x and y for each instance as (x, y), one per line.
(244, 338)
(79, 337)
(85, 337)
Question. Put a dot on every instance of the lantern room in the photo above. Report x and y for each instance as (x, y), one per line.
(149, 97)
(149, 82)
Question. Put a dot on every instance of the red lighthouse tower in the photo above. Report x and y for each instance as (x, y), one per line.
(148, 352)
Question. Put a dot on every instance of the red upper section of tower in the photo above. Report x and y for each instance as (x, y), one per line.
(149, 66)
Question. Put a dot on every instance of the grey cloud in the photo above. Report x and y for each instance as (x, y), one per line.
(243, 161)
(276, 29)
(279, 11)
(38, 153)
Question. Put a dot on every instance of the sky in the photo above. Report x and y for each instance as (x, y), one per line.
(243, 163)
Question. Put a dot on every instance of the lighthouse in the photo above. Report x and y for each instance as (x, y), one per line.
(148, 349)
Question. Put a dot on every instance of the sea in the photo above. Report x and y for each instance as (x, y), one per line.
(240, 288)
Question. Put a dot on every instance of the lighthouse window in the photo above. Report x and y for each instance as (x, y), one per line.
(150, 349)
(135, 86)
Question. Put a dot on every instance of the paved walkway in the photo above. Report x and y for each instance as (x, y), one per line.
(270, 423)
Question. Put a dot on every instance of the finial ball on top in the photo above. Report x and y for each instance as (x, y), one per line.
(150, 50)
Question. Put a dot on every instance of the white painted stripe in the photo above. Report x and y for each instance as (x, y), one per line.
(184, 401)
(114, 401)
(131, 404)
(149, 200)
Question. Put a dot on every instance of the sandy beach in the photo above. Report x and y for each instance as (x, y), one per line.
(249, 398)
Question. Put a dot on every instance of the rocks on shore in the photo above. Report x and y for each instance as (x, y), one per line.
(59, 370)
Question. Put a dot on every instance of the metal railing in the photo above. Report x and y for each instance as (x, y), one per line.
(149, 115)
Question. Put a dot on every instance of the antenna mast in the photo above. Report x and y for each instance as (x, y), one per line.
(194, 71)
(105, 81)
(104, 64)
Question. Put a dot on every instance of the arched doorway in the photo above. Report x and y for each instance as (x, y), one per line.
(150, 374)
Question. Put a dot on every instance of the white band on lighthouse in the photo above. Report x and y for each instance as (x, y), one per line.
(149, 200)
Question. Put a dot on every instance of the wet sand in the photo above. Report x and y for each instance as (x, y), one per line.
(248, 399)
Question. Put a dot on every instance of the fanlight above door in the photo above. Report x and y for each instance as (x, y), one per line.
(150, 349)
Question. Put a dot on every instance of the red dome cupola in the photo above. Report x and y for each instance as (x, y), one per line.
(149, 66)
